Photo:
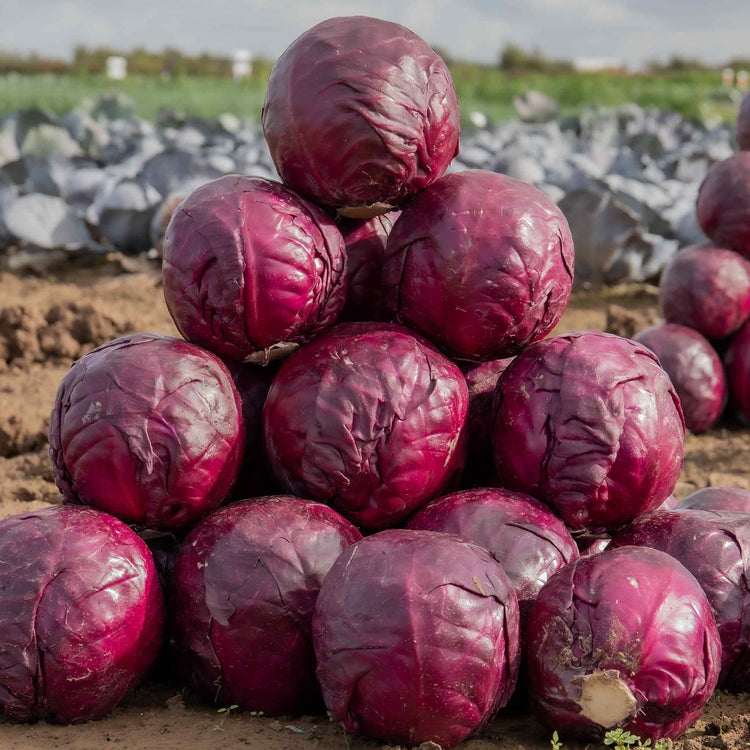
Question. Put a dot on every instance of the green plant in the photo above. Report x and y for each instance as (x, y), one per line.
(555, 741)
(721, 724)
(480, 87)
(623, 740)
(346, 736)
(225, 711)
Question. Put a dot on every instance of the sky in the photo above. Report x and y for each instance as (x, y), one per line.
(633, 31)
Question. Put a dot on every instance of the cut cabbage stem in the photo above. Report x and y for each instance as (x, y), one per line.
(605, 698)
(366, 211)
(272, 353)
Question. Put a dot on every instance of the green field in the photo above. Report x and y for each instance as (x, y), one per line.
(480, 88)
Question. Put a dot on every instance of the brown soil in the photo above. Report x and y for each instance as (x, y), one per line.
(46, 324)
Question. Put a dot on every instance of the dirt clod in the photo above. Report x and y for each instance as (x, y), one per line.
(624, 322)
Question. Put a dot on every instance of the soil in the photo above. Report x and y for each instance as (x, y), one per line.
(46, 324)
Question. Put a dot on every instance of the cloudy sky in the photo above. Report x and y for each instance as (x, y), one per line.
(631, 30)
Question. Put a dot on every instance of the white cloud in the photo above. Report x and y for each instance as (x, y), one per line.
(604, 12)
(634, 30)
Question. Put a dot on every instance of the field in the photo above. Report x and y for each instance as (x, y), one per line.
(36, 348)
(694, 94)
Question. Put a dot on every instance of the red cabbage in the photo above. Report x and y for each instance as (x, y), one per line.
(479, 263)
(590, 424)
(416, 637)
(715, 548)
(695, 370)
(148, 428)
(365, 255)
(718, 498)
(250, 267)
(81, 614)
(481, 380)
(723, 205)
(255, 477)
(521, 533)
(369, 419)
(360, 111)
(708, 289)
(625, 638)
(245, 585)
(737, 363)
(743, 124)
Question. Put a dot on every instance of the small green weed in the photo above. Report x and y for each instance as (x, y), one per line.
(622, 740)
(225, 711)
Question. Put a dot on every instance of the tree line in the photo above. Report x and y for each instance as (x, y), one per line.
(169, 62)
(172, 62)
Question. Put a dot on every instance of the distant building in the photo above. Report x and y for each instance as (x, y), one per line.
(117, 68)
(599, 65)
(242, 64)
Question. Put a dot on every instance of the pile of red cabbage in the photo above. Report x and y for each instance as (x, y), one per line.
(707, 288)
(395, 402)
